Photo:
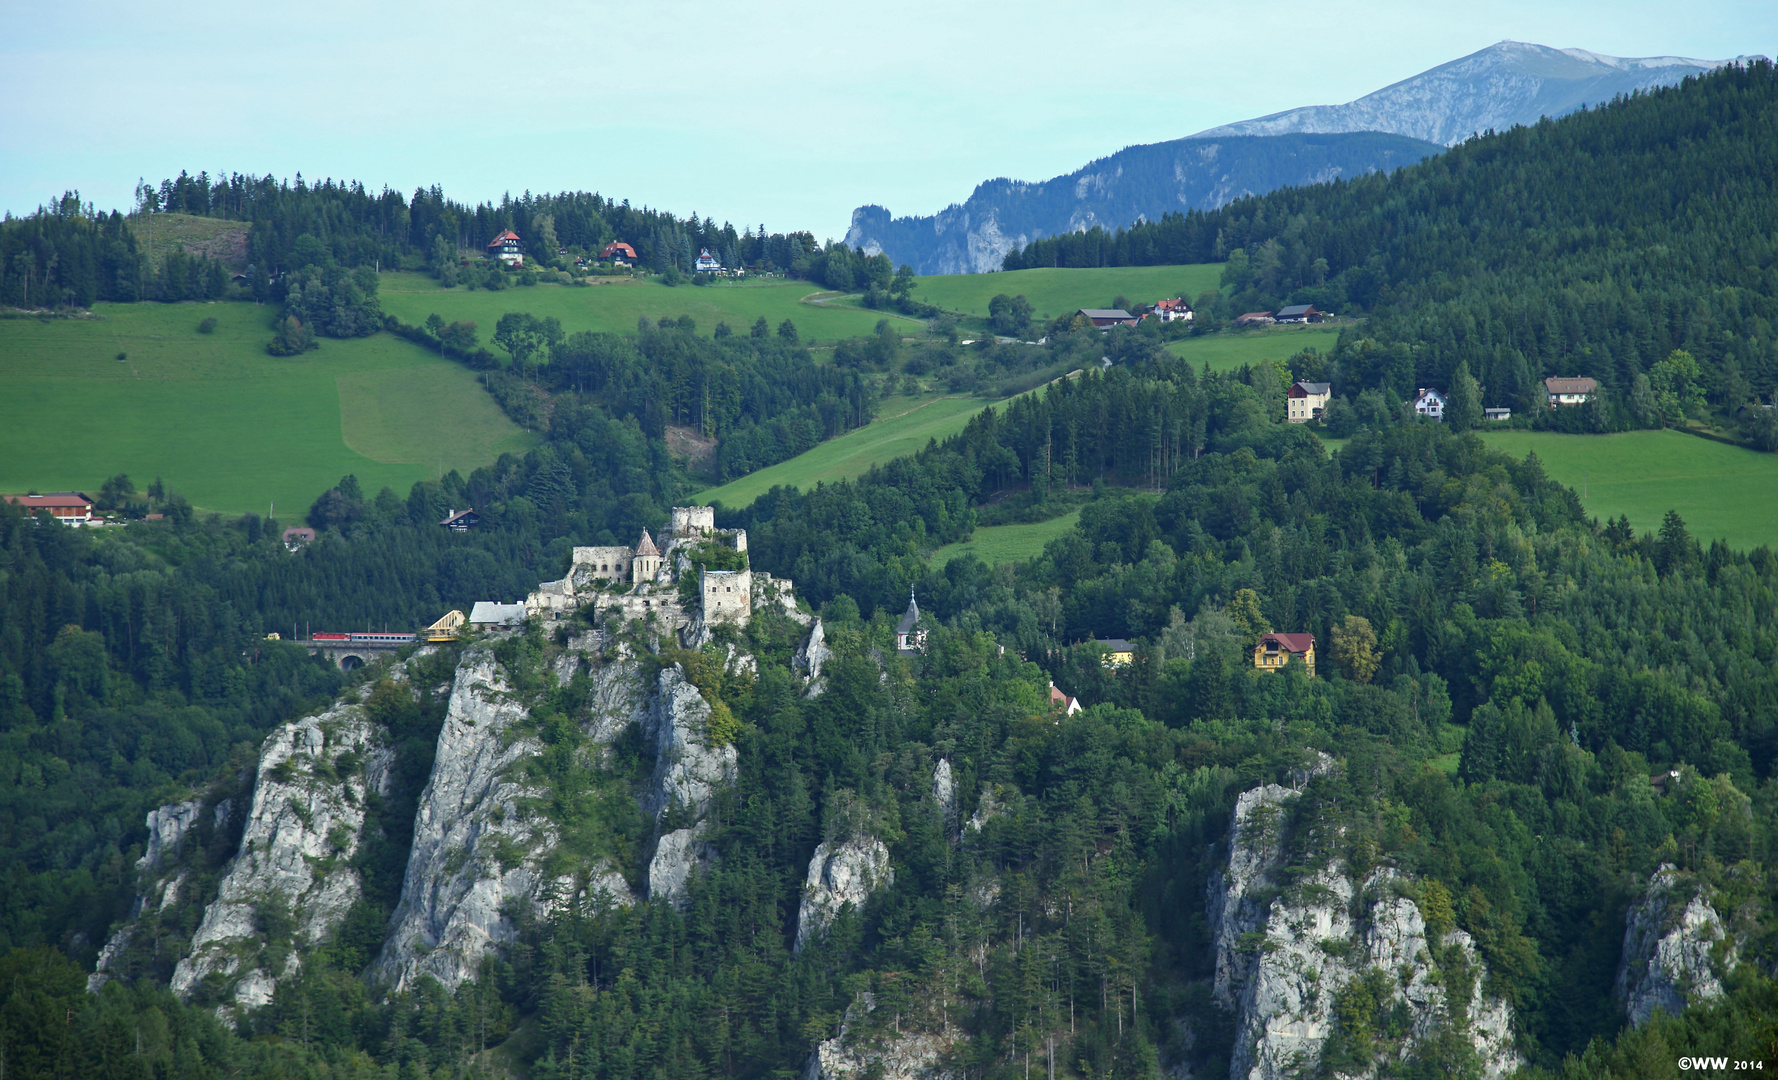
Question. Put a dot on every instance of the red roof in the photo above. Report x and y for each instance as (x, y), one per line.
(614, 248)
(505, 235)
(1175, 304)
(61, 499)
(1295, 643)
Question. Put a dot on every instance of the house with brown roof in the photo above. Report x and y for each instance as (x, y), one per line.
(67, 507)
(298, 536)
(462, 520)
(1276, 650)
(508, 248)
(619, 252)
(1569, 391)
(1106, 318)
(1062, 703)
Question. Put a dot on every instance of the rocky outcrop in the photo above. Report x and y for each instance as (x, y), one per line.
(811, 656)
(841, 873)
(1676, 948)
(944, 792)
(907, 1056)
(480, 848)
(1284, 955)
(156, 888)
(688, 768)
(291, 881)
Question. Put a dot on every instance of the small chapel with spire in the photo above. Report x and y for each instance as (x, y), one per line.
(909, 636)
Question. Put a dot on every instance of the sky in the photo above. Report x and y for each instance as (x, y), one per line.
(787, 114)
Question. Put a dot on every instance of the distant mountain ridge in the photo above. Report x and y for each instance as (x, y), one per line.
(1505, 84)
(1513, 82)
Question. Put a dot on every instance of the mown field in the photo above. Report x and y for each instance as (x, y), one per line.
(223, 423)
(616, 304)
(1007, 543)
(1229, 350)
(903, 426)
(1721, 491)
(1055, 291)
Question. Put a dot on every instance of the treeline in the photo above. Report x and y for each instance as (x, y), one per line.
(70, 255)
(1592, 245)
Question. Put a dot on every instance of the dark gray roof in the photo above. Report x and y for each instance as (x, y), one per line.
(1294, 310)
(1115, 644)
(1315, 387)
(1106, 313)
(912, 616)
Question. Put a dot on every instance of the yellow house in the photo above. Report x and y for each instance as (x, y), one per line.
(1305, 401)
(1118, 652)
(1276, 650)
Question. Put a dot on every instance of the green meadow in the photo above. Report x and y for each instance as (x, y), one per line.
(903, 426)
(614, 304)
(224, 424)
(1721, 491)
(995, 544)
(1053, 291)
(1229, 349)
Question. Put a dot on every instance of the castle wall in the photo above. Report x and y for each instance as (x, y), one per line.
(726, 596)
(693, 519)
(612, 563)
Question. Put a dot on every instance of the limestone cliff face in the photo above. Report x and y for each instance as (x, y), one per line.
(301, 831)
(478, 850)
(688, 768)
(159, 879)
(840, 874)
(1676, 948)
(909, 1056)
(811, 656)
(1284, 955)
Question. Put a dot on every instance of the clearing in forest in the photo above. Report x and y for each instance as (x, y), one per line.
(1054, 292)
(1230, 349)
(223, 423)
(903, 426)
(1721, 491)
(614, 304)
(994, 544)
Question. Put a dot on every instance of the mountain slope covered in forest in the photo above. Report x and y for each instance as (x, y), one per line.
(1506, 84)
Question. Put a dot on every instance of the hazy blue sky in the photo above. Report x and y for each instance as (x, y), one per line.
(751, 110)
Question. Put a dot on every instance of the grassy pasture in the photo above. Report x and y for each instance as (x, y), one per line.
(1721, 491)
(224, 424)
(996, 544)
(904, 426)
(1227, 351)
(1053, 291)
(614, 305)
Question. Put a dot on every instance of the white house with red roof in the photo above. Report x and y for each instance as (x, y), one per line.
(1174, 310)
(508, 248)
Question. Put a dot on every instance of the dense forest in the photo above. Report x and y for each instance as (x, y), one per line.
(1500, 625)
(1523, 713)
(1595, 245)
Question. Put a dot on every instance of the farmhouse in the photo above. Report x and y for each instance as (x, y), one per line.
(297, 537)
(1298, 313)
(619, 252)
(1275, 650)
(1304, 401)
(707, 263)
(1569, 391)
(508, 248)
(1256, 318)
(1106, 318)
(1118, 652)
(461, 520)
(1430, 403)
(67, 507)
(1174, 310)
(1068, 706)
(909, 637)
